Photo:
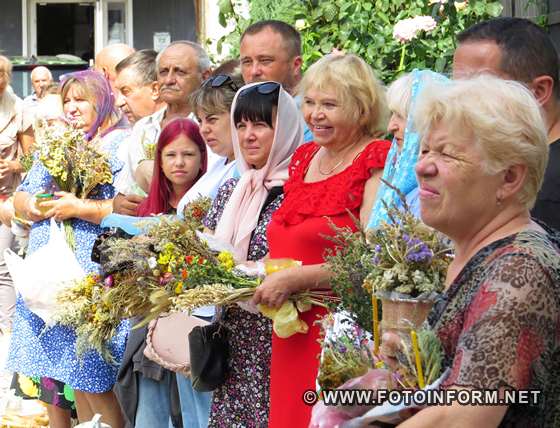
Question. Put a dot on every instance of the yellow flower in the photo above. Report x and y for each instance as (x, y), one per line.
(28, 387)
(225, 258)
(179, 287)
(460, 5)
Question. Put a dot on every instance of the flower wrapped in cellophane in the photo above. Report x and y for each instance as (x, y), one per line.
(347, 363)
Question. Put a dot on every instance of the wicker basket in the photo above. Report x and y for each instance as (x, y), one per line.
(403, 315)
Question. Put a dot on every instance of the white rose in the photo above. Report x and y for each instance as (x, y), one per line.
(300, 24)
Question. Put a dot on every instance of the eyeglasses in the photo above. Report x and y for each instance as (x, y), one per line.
(220, 80)
(265, 88)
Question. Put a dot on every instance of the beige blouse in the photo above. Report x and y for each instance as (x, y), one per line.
(13, 121)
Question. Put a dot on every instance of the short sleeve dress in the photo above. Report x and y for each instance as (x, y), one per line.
(297, 230)
(39, 351)
(499, 324)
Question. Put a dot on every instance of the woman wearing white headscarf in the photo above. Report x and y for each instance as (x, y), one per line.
(268, 129)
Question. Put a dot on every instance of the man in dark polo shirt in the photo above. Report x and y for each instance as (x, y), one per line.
(518, 49)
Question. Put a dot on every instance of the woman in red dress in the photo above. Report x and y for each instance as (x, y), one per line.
(335, 175)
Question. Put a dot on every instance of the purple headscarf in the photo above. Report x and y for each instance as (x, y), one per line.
(104, 102)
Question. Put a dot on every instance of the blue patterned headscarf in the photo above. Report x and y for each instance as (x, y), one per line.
(399, 167)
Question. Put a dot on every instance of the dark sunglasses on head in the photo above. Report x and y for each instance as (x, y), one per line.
(265, 88)
(220, 80)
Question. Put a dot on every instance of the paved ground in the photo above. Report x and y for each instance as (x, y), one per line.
(5, 377)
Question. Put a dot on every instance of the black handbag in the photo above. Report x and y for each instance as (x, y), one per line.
(209, 354)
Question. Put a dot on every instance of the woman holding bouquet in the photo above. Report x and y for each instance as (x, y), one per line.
(268, 129)
(344, 106)
(48, 352)
(144, 387)
(481, 164)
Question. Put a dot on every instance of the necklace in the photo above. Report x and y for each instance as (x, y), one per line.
(330, 171)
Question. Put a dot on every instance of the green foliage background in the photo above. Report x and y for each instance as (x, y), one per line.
(365, 27)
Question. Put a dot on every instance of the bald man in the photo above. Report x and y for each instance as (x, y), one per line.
(41, 77)
(107, 59)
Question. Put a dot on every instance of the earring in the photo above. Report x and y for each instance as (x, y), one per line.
(498, 200)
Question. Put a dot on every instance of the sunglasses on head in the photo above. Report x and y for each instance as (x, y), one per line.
(265, 88)
(220, 80)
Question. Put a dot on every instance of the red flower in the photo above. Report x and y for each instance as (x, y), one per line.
(184, 274)
(201, 260)
(197, 213)
(189, 259)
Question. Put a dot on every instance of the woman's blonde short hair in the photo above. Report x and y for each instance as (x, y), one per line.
(399, 94)
(6, 66)
(503, 117)
(361, 93)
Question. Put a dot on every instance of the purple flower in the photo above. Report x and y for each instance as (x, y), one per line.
(417, 250)
(109, 281)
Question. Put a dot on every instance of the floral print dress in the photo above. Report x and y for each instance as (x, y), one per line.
(243, 400)
(40, 352)
(499, 324)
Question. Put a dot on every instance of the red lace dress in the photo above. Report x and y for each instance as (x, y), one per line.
(297, 231)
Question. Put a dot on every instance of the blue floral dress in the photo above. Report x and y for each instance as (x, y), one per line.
(37, 351)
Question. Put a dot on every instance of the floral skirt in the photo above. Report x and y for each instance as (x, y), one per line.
(44, 389)
(243, 400)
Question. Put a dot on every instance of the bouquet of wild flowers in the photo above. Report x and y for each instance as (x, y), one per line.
(224, 284)
(405, 256)
(89, 311)
(344, 357)
(76, 165)
(141, 274)
(401, 256)
(347, 363)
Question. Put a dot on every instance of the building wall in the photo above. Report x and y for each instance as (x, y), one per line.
(176, 17)
(10, 28)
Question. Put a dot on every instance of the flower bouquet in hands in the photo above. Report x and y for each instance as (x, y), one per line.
(402, 260)
(75, 164)
(140, 275)
(347, 363)
(225, 284)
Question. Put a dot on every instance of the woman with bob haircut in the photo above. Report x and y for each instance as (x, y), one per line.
(267, 129)
(344, 105)
(482, 159)
(49, 352)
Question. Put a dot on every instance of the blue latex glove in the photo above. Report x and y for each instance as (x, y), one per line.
(127, 223)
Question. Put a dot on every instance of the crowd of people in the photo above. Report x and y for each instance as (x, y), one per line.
(284, 155)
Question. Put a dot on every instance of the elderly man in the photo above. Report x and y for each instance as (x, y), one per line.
(271, 50)
(518, 49)
(107, 59)
(181, 68)
(137, 87)
(41, 77)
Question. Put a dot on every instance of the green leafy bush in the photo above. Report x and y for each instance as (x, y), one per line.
(365, 27)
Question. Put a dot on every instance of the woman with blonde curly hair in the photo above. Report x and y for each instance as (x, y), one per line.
(337, 174)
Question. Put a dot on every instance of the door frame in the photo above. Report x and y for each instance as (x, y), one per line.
(100, 16)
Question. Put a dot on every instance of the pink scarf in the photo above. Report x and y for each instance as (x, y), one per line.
(241, 213)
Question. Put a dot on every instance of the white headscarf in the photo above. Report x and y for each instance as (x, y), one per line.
(241, 213)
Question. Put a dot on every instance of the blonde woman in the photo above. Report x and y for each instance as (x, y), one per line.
(344, 106)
